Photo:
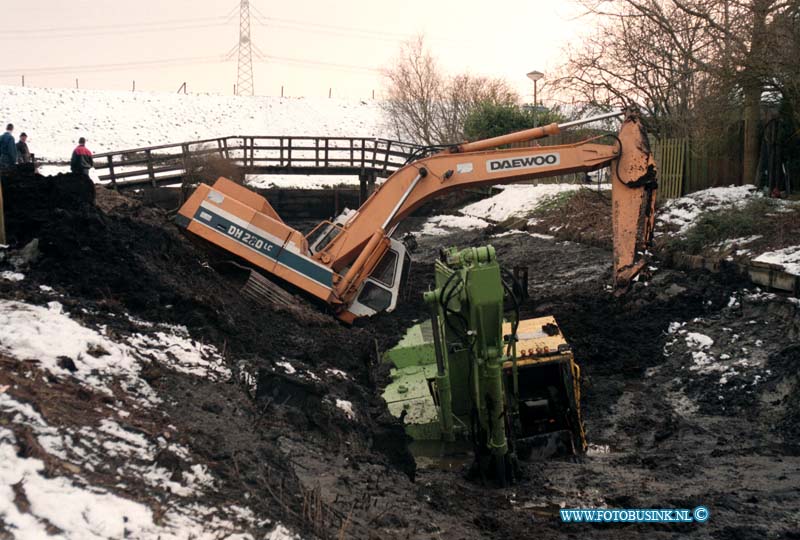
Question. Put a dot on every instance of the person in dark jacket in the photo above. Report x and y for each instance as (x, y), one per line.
(23, 154)
(81, 160)
(8, 148)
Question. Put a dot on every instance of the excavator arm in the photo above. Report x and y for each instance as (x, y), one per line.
(354, 265)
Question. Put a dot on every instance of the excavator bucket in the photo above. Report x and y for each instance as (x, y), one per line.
(633, 199)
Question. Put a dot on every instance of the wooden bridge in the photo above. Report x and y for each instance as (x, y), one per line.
(171, 164)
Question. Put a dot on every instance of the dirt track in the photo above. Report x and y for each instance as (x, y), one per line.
(663, 435)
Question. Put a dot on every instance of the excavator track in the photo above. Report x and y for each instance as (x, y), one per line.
(264, 292)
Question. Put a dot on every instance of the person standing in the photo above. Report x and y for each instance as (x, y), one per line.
(23, 154)
(8, 148)
(81, 160)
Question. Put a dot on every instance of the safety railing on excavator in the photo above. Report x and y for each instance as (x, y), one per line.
(171, 164)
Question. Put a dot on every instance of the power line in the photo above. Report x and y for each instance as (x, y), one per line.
(119, 66)
(317, 27)
(319, 63)
(172, 62)
(77, 31)
(349, 31)
(244, 48)
(118, 32)
(244, 70)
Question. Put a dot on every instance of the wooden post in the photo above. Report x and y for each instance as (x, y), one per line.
(225, 147)
(250, 161)
(373, 94)
(366, 180)
(186, 163)
(2, 216)
(23, 80)
(351, 152)
(386, 157)
(362, 187)
(330, 91)
(281, 90)
(134, 87)
(111, 172)
(76, 83)
(150, 171)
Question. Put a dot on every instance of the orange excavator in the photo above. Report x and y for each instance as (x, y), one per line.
(354, 266)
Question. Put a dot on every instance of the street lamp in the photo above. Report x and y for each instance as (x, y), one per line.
(535, 76)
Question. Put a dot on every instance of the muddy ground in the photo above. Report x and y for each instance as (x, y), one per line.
(667, 428)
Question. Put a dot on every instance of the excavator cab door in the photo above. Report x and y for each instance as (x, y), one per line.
(381, 289)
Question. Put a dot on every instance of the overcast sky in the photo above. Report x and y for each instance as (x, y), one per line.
(308, 46)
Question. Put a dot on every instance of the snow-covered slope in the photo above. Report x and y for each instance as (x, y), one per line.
(105, 456)
(54, 118)
(516, 200)
(684, 212)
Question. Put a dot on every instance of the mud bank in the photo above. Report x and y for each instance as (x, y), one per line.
(129, 263)
(666, 430)
(690, 398)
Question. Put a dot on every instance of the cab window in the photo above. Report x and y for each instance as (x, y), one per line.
(385, 270)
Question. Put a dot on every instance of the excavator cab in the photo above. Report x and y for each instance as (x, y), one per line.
(381, 289)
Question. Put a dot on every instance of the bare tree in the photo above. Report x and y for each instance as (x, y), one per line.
(414, 86)
(786, 59)
(689, 63)
(630, 60)
(425, 105)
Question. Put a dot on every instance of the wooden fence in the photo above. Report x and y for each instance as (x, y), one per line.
(670, 156)
(684, 167)
(252, 155)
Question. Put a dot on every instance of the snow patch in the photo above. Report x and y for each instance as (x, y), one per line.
(289, 368)
(347, 407)
(336, 373)
(698, 340)
(282, 533)
(115, 122)
(515, 201)
(47, 336)
(11, 276)
(684, 211)
(675, 327)
(181, 353)
(439, 225)
(788, 258)
(64, 347)
(92, 513)
(301, 181)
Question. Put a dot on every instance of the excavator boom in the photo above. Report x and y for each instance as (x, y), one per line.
(354, 266)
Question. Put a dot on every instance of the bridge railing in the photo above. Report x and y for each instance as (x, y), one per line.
(171, 163)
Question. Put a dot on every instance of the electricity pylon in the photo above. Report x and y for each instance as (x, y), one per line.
(244, 76)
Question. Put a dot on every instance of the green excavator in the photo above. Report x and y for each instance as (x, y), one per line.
(476, 374)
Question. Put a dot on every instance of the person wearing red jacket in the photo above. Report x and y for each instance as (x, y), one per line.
(81, 160)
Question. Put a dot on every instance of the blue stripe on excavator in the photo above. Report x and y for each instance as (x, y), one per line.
(293, 261)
